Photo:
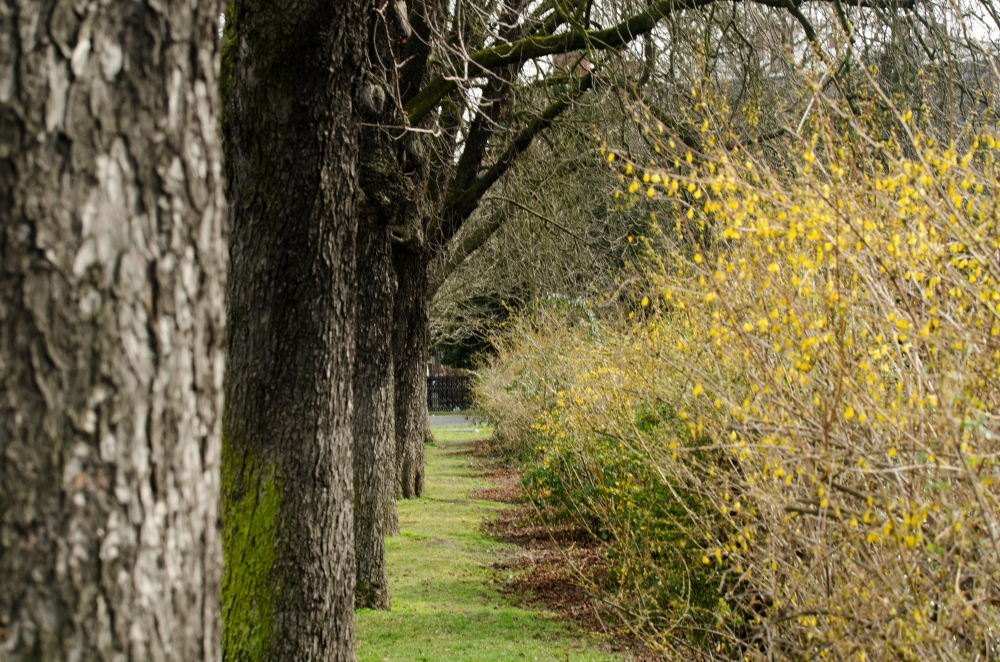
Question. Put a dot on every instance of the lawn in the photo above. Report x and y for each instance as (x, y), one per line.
(457, 434)
(443, 605)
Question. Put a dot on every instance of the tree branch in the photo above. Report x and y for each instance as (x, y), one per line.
(532, 47)
(575, 39)
(491, 104)
(416, 52)
(460, 205)
(447, 261)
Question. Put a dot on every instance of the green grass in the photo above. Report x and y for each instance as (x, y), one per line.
(460, 434)
(443, 606)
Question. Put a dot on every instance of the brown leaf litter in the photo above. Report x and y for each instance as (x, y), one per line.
(551, 565)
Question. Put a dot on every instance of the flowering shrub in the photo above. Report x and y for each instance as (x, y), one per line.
(790, 444)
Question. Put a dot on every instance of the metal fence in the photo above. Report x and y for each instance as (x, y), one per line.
(449, 392)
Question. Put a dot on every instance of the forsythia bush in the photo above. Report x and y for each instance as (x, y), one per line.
(789, 440)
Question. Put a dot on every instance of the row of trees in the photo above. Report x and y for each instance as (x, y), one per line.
(217, 261)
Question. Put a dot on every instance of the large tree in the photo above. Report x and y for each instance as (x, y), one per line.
(454, 153)
(290, 74)
(112, 277)
(373, 429)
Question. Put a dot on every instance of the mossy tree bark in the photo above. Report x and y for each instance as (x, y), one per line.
(112, 278)
(289, 74)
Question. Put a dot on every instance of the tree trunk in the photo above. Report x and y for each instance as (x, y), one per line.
(112, 278)
(410, 355)
(374, 419)
(289, 74)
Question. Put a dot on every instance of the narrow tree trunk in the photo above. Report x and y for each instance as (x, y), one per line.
(410, 355)
(112, 277)
(289, 73)
(374, 419)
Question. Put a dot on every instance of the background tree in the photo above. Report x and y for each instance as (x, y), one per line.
(551, 230)
(289, 75)
(113, 263)
(382, 198)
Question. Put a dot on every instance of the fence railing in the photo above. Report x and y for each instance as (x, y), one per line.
(448, 392)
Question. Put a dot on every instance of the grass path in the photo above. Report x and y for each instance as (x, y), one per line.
(443, 606)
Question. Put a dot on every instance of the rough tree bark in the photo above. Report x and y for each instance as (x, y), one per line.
(289, 74)
(394, 170)
(385, 192)
(410, 337)
(112, 278)
(374, 437)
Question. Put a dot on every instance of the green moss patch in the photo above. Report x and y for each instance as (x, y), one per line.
(251, 499)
